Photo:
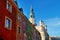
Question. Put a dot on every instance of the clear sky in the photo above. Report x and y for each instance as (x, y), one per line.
(46, 10)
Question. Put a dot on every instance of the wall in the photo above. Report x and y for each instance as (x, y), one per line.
(5, 33)
(29, 30)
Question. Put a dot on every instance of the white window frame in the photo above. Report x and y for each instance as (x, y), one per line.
(18, 17)
(9, 9)
(10, 23)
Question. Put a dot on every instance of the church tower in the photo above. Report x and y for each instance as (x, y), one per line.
(43, 25)
(43, 30)
(32, 16)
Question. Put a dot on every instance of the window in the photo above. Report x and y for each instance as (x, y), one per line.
(8, 23)
(31, 16)
(9, 6)
(23, 23)
(18, 29)
(18, 17)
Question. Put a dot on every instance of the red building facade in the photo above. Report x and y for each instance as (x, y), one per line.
(11, 21)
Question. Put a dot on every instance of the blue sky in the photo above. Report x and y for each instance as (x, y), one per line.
(46, 10)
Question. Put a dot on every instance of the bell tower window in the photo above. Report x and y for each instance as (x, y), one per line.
(31, 16)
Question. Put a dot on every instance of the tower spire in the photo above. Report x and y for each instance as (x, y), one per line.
(32, 16)
(32, 13)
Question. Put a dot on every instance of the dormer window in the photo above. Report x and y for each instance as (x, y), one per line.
(9, 7)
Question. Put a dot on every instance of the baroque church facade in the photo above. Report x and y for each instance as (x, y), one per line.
(42, 28)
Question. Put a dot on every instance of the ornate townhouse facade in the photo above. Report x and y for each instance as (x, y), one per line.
(12, 21)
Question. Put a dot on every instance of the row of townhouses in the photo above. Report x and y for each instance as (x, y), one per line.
(14, 25)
